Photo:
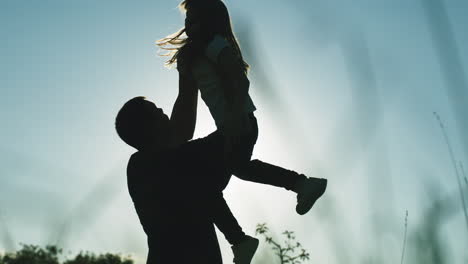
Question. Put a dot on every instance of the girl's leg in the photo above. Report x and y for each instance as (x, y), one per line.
(239, 163)
(308, 189)
(259, 171)
(226, 222)
(265, 173)
(243, 246)
(213, 179)
(206, 156)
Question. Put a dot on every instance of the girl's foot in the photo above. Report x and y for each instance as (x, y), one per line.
(308, 191)
(245, 250)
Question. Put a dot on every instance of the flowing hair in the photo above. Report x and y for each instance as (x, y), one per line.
(214, 20)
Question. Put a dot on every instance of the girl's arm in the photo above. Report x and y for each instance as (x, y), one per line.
(184, 112)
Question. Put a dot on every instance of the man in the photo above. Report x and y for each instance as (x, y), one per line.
(173, 206)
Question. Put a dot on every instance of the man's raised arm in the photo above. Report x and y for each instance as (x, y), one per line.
(184, 112)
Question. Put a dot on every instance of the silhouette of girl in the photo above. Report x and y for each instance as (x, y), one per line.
(209, 59)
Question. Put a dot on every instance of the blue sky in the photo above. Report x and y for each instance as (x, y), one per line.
(344, 90)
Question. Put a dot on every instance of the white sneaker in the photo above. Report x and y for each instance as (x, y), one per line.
(308, 192)
(245, 250)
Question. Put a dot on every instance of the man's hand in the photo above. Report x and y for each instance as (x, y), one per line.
(236, 125)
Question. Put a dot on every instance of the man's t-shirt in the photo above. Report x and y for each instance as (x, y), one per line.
(172, 191)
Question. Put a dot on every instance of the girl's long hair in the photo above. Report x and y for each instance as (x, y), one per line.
(214, 20)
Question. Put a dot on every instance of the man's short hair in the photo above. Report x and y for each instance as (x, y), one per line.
(131, 122)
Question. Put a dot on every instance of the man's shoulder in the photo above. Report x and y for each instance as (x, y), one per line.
(143, 162)
(138, 163)
(143, 169)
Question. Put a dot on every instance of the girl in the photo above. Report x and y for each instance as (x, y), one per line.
(210, 60)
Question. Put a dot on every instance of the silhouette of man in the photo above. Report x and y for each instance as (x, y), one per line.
(174, 207)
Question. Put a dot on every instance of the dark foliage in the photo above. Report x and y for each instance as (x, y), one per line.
(30, 254)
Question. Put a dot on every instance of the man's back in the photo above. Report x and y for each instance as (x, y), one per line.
(172, 210)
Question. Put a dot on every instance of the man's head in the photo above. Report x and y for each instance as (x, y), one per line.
(141, 124)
